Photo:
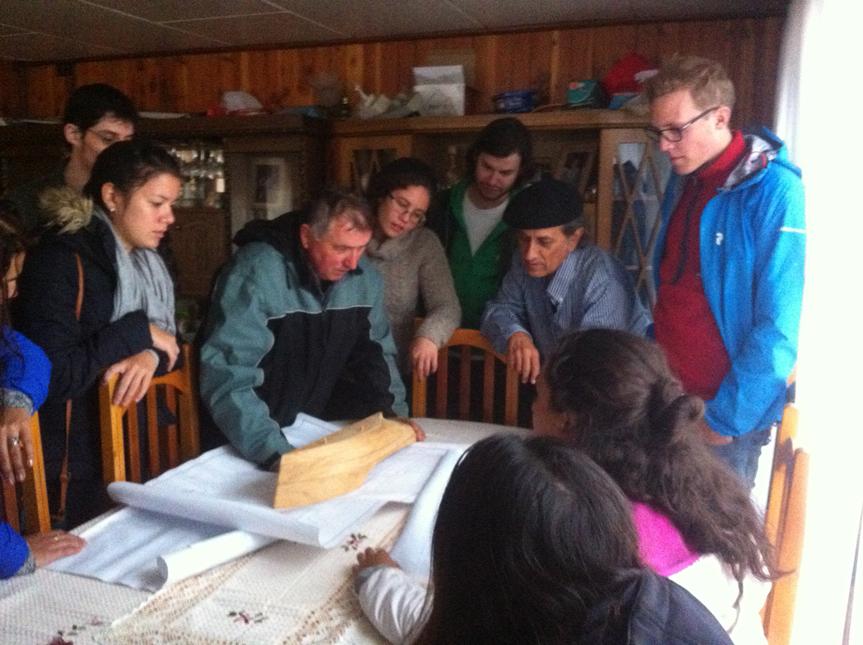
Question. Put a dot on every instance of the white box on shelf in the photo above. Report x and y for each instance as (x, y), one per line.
(442, 90)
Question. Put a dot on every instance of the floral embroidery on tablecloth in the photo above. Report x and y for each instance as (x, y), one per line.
(354, 542)
(247, 618)
(60, 638)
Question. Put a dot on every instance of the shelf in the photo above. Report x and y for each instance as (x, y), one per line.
(231, 126)
(561, 120)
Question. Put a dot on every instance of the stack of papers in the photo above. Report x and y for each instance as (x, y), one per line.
(186, 520)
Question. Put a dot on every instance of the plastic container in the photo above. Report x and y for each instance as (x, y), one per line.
(515, 101)
(442, 90)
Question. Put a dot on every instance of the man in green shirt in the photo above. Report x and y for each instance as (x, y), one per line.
(468, 216)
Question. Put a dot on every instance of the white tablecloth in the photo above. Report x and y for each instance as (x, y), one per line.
(284, 593)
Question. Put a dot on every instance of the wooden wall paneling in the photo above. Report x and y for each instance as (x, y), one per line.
(407, 60)
(555, 86)
(194, 82)
(388, 69)
(610, 43)
(372, 67)
(539, 71)
(741, 69)
(767, 69)
(295, 80)
(46, 91)
(353, 66)
(261, 74)
(576, 59)
(485, 80)
(13, 89)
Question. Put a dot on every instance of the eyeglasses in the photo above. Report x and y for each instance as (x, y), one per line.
(416, 216)
(673, 135)
(106, 136)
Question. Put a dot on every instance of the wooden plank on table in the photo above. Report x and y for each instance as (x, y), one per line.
(340, 462)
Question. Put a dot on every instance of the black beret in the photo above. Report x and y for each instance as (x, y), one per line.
(547, 203)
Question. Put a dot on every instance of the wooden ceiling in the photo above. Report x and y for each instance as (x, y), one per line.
(57, 30)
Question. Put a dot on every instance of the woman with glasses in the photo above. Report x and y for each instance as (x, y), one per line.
(410, 257)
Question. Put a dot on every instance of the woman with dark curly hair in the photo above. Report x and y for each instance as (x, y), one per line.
(417, 280)
(612, 395)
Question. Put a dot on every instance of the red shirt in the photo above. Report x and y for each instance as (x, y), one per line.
(683, 323)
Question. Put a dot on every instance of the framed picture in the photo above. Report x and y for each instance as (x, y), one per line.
(269, 186)
(576, 165)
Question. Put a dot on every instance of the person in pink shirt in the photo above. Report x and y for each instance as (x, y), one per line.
(613, 396)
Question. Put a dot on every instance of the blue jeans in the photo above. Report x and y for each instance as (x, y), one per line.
(743, 452)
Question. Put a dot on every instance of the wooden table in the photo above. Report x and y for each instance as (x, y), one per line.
(284, 593)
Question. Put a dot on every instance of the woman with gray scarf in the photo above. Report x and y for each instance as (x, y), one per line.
(101, 250)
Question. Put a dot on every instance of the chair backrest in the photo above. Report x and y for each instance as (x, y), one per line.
(468, 348)
(780, 476)
(25, 506)
(168, 444)
(785, 522)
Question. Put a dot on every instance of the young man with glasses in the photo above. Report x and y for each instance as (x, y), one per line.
(96, 116)
(728, 260)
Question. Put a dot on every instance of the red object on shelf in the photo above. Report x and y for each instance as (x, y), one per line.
(621, 76)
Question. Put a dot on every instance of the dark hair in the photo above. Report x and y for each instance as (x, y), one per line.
(90, 103)
(334, 203)
(631, 416)
(129, 165)
(501, 138)
(13, 240)
(401, 173)
(529, 536)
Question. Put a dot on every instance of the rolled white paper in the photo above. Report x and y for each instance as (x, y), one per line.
(413, 548)
(201, 556)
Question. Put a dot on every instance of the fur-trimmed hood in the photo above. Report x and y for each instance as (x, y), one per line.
(67, 210)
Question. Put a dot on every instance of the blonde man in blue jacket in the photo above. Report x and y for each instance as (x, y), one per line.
(728, 260)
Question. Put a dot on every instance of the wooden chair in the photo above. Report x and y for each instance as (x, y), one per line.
(469, 342)
(121, 446)
(785, 522)
(31, 496)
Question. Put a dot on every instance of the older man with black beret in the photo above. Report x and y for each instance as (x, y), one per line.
(557, 281)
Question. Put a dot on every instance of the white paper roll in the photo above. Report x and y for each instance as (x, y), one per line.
(201, 556)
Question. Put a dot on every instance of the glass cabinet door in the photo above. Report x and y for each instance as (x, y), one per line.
(361, 157)
(633, 174)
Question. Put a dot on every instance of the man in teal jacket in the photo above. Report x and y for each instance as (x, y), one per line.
(728, 260)
(297, 324)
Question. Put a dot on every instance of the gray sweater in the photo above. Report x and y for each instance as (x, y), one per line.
(415, 269)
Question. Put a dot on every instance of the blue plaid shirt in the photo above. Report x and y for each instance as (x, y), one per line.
(589, 289)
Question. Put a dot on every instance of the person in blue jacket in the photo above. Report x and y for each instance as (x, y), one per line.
(728, 259)
(24, 375)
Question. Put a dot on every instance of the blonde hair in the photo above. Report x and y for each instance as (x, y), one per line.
(706, 80)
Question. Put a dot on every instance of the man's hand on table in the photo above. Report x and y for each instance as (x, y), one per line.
(523, 355)
(372, 557)
(420, 433)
